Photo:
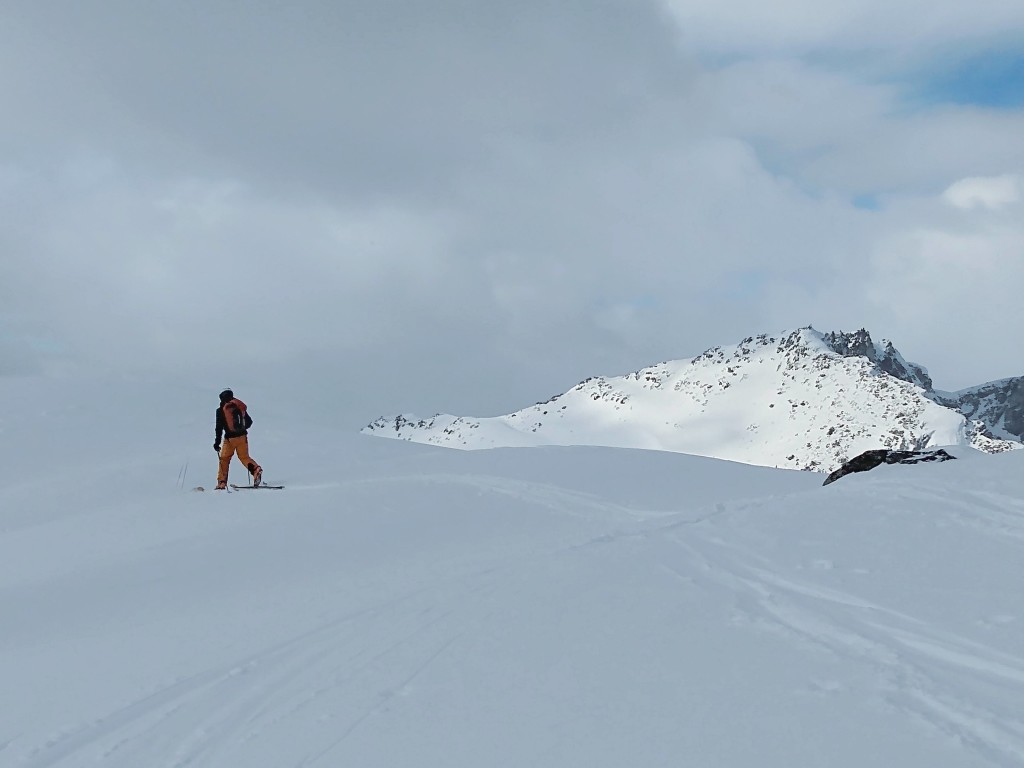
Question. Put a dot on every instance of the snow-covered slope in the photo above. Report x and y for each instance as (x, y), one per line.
(803, 400)
(404, 606)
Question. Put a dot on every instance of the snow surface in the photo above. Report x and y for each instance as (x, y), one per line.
(789, 401)
(403, 605)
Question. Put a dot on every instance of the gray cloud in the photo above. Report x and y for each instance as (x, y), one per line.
(886, 27)
(392, 97)
(463, 206)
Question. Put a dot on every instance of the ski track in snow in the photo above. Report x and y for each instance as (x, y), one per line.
(204, 712)
(562, 608)
(921, 670)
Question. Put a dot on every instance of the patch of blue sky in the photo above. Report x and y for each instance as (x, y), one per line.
(867, 202)
(992, 79)
(787, 163)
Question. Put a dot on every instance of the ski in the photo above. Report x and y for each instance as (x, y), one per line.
(256, 487)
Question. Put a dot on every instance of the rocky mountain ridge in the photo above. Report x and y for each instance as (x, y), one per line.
(800, 400)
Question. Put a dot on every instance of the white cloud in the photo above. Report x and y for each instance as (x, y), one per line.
(832, 130)
(751, 26)
(993, 192)
(956, 296)
(945, 287)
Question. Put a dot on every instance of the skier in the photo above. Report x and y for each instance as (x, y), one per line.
(233, 422)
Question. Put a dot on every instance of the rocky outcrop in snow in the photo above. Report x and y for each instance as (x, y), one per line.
(871, 459)
(998, 406)
(884, 355)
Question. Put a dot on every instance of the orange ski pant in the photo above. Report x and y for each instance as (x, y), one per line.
(228, 448)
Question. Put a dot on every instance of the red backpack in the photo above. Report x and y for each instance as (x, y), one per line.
(235, 416)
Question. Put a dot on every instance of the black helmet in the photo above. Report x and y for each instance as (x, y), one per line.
(226, 395)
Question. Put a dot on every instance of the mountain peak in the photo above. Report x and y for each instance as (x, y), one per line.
(800, 400)
(884, 355)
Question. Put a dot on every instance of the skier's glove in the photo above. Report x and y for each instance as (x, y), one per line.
(216, 447)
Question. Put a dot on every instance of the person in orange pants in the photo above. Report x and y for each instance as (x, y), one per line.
(233, 422)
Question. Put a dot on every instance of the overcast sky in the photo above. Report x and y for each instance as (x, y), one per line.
(467, 206)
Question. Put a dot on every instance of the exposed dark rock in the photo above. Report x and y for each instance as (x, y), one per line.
(871, 459)
(856, 344)
(888, 359)
(998, 404)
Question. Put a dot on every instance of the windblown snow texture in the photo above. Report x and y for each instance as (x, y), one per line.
(802, 400)
(401, 606)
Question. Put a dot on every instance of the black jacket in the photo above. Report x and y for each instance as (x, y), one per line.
(222, 424)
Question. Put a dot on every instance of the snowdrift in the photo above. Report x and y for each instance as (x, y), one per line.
(404, 605)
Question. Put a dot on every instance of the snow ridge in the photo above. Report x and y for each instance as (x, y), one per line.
(800, 400)
(998, 405)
